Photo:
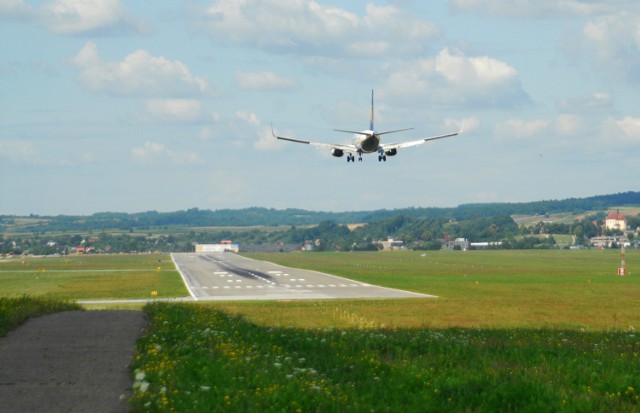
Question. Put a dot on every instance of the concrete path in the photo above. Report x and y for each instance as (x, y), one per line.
(74, 361)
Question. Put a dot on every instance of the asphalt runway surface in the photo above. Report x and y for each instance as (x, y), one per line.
(229, 276)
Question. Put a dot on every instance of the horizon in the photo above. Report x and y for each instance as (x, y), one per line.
(132, 106)
(323, 211)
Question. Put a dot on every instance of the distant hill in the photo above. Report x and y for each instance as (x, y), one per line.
(272, 217)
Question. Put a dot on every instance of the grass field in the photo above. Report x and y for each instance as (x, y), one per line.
(477, 289)
(196, 358)
(91, 277)
(548, 331)
(511, 331)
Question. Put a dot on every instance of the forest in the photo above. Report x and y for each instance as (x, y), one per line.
(257, 216)
(418, 228)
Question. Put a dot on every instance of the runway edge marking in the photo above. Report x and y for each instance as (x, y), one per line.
(349, 279)
(184, 279)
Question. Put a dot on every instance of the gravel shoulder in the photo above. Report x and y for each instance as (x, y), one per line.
(75, 361)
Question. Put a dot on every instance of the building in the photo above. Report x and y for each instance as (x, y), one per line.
(205, 248)
(459, 243)
(391, 245)
(609, 242)
(615, 221)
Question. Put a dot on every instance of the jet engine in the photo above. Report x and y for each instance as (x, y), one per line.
(337, 152)
(391, 152)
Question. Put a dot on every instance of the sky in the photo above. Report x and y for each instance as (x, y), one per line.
(131, 106)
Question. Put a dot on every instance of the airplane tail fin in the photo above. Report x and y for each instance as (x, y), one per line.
(371, 118)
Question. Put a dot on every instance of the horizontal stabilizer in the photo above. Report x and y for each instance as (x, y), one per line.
(352, 131)
(392, 131)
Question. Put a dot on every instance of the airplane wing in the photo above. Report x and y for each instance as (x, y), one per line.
(400, 145)
(340, 147)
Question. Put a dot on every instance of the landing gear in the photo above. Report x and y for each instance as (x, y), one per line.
(351, 158)
(382, 158)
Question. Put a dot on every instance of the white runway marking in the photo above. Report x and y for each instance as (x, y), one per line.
(215, 276)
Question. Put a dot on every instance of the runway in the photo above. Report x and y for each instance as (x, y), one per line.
(229, 276)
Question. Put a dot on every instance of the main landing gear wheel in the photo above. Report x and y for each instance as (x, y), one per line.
(382, 158)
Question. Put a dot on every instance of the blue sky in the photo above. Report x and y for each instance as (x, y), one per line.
(129, 106)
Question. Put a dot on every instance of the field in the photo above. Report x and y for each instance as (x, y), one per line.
(569, 218)
(477, 289)
(91, 277)
(510, 331)
(199, 359)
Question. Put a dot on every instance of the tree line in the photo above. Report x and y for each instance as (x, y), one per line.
(255, 216)
(416, 233)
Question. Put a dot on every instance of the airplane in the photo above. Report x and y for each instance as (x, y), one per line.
(368, 141)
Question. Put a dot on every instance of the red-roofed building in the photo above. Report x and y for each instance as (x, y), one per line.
(615, 221)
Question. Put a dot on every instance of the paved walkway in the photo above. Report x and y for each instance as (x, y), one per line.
(74, 361)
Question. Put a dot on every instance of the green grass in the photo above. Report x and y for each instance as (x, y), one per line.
(477, 289)
(196, 358)
(511, 331)
(15, 311)
(92, 277)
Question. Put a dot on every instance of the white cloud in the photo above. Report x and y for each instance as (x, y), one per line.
(248, 117)
(456, 79)
(77, 17)
(311, 28)
(471, 124)
(70, 17)
(587, 103)
(567, 125)
(265, 141)
(151, 151)
(139, 74)
(610, 44)
(625, 131)
(17, 151)
(157, 153)
(520, 129)
(537, 8)
(177, 110)
(263, 81)
(15, 9)
(609, 40)
(205, 133)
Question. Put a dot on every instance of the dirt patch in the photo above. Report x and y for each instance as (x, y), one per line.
(74, 361)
